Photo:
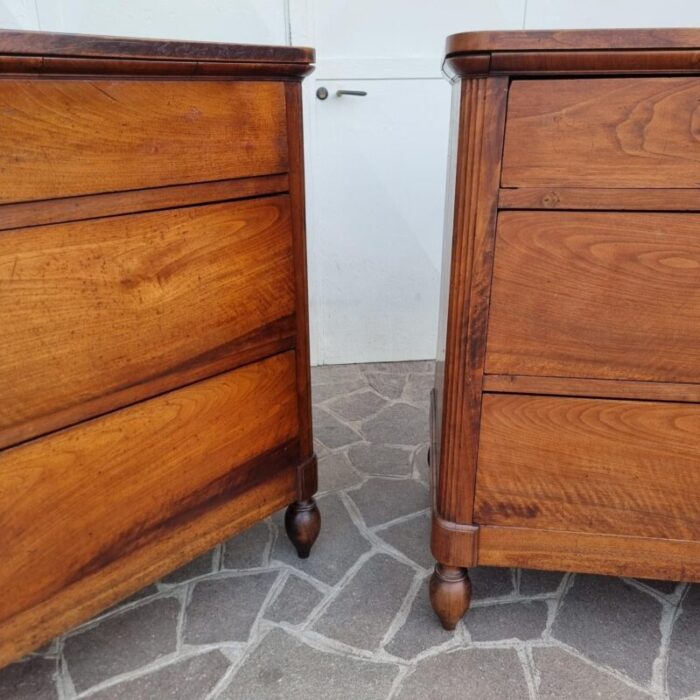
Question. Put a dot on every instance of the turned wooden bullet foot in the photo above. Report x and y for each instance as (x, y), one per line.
(450, 594)
(303, 522)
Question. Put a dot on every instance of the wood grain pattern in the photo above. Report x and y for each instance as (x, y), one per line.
(470, 237)
(617, 132)
(566, 39)
(596, 388)
(63, 138)
(596, 198)
(295, 129)
(600, 295)
(55, 211)
(42, 44)
(109, 311)
(615, 555)
(137, 492)
(587, 465)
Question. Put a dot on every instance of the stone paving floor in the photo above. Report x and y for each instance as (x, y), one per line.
(250, 621)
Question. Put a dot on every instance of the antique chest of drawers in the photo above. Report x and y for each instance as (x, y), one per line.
(566, 414)
(155, 369)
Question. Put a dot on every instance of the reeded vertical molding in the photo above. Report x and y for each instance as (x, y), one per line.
(307, 475)
(480, 142)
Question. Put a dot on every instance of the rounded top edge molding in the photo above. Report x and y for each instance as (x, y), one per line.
(573, 40)
(87, 46)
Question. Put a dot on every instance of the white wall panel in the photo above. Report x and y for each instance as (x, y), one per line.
(237, 21)
(18, 14)
(379, 172)
(603, 14)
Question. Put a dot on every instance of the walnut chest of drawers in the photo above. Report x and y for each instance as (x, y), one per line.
(154, 375)
(566, 414)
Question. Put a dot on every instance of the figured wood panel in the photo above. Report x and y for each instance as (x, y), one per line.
(102, 493)
(100, 313)
(583, 552)
(617, 132)
(589, 465)
(596, 388)
(71, 137)
(92, 206)
(601, 295)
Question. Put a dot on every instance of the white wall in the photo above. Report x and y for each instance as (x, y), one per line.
(375, 169)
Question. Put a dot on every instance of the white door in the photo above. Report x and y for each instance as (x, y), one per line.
(376, 169)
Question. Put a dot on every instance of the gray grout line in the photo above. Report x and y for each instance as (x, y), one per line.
(528, 670)
(404, 609)
(669, 613)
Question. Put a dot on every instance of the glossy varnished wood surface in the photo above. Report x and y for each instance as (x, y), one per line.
(598, 295)
(567, 39)
(473, 221)
(609, 132)
(110, 502)
(598, 388)
(63, 138)
(600, 198)
(25, 43)
(53, 211)
(615, 555)
(108, 311)
(588, 465)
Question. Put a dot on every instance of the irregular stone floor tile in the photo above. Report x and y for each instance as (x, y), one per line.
(284, 668)
(338, 547)
(388, 385)
(491, 623)
(30, 679)
(382, 500)
(406, 366)
(420, 463)
(421, 630)
(398, 424)
(294, 602)
(330, 374)
(330, 431)
(197, 567)
(684, 657)
(139, 595)
(490, 582)
(122, 642)
(483, 674)
(534, 582)
(357, 406)
(324, 392)
(666, 587)
(361, 614)
(247, 549)
(380, 460)
(190, 678)
(565, 677)
(612, 624)
(224, 609)
(335, 472)
(411, 538)
(418, 388)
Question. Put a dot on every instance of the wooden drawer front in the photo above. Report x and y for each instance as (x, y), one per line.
(69, 137)
(588, 465)
(77, 501)
(100, 313)
(619, 132)
(610, 296)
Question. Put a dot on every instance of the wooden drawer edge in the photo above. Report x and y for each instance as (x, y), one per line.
(92, 206)
(175, 547)
(615, 555)
(274, 338)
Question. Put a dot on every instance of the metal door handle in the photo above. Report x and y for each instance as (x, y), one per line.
(322, 93)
